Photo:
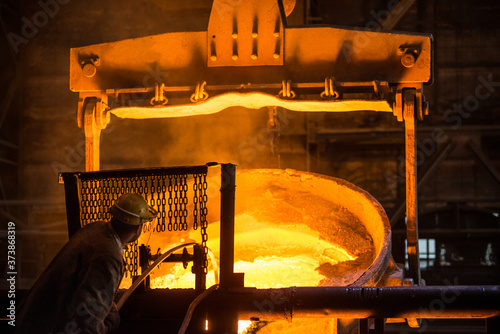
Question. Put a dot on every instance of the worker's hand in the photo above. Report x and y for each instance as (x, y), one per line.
(113, 319)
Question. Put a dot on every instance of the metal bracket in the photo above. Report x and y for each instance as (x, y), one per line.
(330, 92)
(245, 33)
(93, 116)
(159, 99)
(199, 94)
(421, 106)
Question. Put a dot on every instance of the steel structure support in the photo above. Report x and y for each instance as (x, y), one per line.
(396, 14)
(411, 188)
(93, 117)
(226, 319)
(399, 212)
(490, 167)
(228, 188)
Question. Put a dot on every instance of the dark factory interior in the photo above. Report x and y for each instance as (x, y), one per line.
(57, 64)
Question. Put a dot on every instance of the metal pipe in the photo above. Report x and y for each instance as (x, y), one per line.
(360, 302)
(72, 202)
(421, 302)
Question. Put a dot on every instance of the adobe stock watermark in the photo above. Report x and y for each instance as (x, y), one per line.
(268, 306)
(32, 26)
(362, 39)
(453, 116)
(223, 8)
(448, 296)
(11, 273)
(94, 313)
(256, 143)
(249, 149)
(75, 155)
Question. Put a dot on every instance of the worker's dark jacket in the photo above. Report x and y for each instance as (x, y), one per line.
(75, 293)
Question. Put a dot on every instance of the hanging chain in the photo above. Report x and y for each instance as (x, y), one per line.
(183, 226)
(131, 255)
(170, 202)
(203, 221)
(176, 203)
(162, 189)
(167, 193)
(195, 201)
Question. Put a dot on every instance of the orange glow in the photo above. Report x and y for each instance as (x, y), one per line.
(291, 229)
(248, 100)
(270, 257)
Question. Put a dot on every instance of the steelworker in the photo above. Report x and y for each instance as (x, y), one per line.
(75, 294)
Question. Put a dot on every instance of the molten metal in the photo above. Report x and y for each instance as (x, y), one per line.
(270, 257)
(292, 229)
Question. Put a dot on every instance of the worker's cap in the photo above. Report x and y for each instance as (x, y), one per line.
(133, 209)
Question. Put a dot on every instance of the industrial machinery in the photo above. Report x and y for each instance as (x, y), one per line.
(272, 65)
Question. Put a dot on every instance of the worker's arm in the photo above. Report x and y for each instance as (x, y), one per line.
(95, 309)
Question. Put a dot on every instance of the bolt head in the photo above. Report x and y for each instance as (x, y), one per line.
(408, 60)
(89, 70)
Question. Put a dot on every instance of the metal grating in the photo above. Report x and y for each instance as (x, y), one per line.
(89, 195)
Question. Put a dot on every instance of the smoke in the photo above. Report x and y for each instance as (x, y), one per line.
(223, 137)
(236, 135)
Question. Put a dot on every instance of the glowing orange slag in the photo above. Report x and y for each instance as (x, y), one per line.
(270, 257)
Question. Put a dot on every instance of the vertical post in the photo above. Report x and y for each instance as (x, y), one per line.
(493, 325)
(363, 326)
(198, 269)
(223, 318)
(92, 135)
(411, 181)
(92, 151)
(379, 324)
(72, 202)
(227, 200)
(93, 116)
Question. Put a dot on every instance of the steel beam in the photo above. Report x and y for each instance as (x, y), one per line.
(8, 162)
(226, 319)
(490, 167)
(7, 99)
(396, 14)
(411, 185)
(228, 188)
(398, 214)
